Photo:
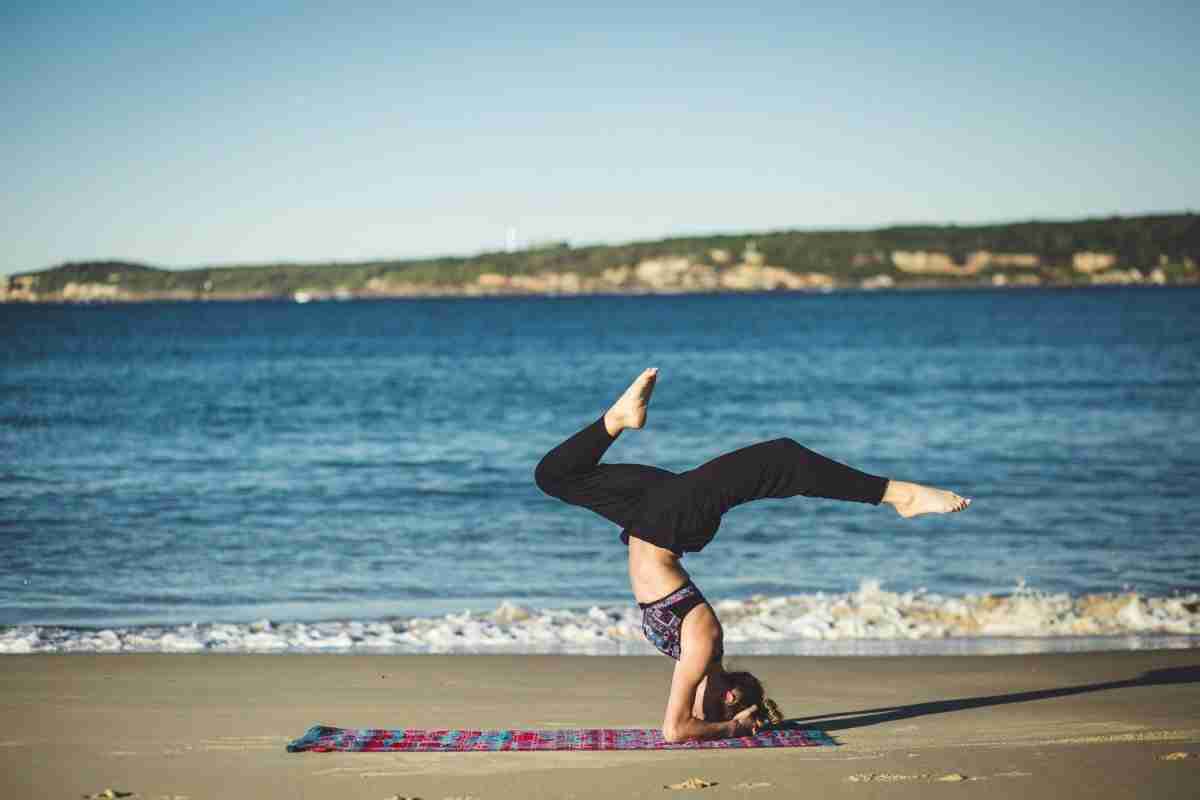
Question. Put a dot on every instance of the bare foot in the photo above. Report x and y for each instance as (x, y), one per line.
(913, 499)
(630, 409)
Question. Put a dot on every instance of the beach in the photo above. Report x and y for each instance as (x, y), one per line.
(174, 726)
(227, 523)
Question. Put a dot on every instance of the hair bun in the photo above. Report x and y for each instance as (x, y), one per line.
(770, 712)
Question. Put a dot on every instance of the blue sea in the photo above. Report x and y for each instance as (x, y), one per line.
(241, 470)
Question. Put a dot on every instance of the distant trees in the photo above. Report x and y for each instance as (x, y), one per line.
(1169, 241)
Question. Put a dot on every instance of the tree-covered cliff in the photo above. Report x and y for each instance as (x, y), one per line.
(1159, 249)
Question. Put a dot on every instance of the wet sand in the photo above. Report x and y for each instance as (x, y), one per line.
(209, 726)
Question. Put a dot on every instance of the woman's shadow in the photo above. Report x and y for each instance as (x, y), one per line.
(873, 716)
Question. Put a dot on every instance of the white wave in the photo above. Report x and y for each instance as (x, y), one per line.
(869, 620)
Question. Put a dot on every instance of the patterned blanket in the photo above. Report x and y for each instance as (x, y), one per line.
(323, 738)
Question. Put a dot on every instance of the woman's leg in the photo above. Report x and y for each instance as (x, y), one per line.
(691, 505)
(783, 468)
(572, 471)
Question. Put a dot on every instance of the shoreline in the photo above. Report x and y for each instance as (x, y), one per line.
(956, 647)
(868, 621)
(982, 647)
(473, 293)
(1042, 726)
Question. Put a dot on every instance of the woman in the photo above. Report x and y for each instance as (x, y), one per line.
(665, 515)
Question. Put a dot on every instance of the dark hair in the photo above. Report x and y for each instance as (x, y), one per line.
(753, 694)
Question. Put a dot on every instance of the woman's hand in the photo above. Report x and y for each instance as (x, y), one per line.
(746, 723)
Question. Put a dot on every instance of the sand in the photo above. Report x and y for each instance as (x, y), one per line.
(214, 726)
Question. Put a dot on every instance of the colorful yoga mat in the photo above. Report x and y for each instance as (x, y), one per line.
(323, 739)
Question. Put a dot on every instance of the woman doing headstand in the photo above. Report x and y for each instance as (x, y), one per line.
(664, 515)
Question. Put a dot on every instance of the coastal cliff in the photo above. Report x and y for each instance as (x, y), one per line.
(1157, 250)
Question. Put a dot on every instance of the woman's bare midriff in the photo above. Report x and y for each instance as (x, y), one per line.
(654, 572)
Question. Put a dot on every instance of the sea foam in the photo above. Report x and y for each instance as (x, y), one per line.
(867, 621)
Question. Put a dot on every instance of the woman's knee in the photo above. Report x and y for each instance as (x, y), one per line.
(547, 478)
(786, 444)
(788, 451)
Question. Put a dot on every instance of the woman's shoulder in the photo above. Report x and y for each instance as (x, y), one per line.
(701, 627)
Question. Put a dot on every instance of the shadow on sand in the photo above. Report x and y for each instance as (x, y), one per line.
(874, 716)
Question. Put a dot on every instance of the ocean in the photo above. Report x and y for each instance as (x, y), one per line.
(344, 476)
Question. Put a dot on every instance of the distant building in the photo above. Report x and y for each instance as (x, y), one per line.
(1089, 263)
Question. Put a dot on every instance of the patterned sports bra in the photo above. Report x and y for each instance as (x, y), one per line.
(663, 619)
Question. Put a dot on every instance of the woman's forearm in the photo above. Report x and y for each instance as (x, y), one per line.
(693, 728)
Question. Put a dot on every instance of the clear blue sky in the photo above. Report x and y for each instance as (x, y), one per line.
(229, 132)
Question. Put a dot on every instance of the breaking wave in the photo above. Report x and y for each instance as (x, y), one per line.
(869, 621)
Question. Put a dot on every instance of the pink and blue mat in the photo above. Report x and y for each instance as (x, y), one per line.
(324, 739)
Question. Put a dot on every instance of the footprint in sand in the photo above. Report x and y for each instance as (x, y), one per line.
(891, 777)
(884, 777)
(242, 742)
(691, 783)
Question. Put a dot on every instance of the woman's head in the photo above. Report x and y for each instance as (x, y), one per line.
(743, 690)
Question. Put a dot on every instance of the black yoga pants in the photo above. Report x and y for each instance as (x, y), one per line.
(682, 511)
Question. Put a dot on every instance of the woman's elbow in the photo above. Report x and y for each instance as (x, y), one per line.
(673, 734)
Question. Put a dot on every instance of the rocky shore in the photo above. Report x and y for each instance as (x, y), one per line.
(668, 275)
